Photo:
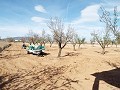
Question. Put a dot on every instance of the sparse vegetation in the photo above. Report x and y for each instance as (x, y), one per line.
(80, 41)
(57, 27)
(102, 40)
(111, 21)
(37, 67)
(50, 39)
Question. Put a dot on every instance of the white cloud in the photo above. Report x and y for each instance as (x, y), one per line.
(89, 14)
(39, 19)
(40, 8)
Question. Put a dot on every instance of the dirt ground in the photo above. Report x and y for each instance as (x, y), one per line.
(83, 69)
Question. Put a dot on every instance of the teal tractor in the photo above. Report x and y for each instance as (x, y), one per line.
(39, 50)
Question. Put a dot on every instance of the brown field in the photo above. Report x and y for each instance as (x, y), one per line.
(83, 69)
(3, 45)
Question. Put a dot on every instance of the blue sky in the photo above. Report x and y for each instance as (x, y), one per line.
(17, 17)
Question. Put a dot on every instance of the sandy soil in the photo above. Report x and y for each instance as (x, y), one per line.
(3, 45)
(83, 69)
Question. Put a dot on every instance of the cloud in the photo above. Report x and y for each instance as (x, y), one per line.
(40, 8)
(39, 19)
(89, 14)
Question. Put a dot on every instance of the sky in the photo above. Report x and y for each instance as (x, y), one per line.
(18, 17)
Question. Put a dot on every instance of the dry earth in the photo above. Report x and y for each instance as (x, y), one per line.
(83, 69)
(3, 45)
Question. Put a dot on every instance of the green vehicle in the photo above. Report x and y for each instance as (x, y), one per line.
(39, 50)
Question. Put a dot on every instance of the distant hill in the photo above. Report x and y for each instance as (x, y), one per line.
(19, 38)
(15, 38)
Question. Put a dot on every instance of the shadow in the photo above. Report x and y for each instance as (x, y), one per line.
(71, 54)
(46, 54)
(43, 54)
(4, 83)
(111, 77)
(101, 52)
(117, 50)
(12, 50)
(114, 65)
(12, 56)
(1, 79)
(47, 77)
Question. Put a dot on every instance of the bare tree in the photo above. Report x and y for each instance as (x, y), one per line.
(43, 38)
(10, 39)
(50, 39)
(92, 40)
(23, 39)
(102, 40)
(73, 38)
(32, 37)
(80, 41)
(111, 21)
(114, 42)
(57, 28)
(111, 24)
(74, 41)
(109, 42)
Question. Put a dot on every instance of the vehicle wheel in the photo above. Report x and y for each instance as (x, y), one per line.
(28, 52)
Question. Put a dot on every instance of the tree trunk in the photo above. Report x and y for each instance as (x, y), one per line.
(44, 44)
(79, 46)
(103, 52)
(107, 45)
(74, 47)
(116, 45)
(50, 44)
(59, 53)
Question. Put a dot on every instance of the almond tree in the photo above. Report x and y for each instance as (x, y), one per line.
(114, 41)
(32, 37)
(73, 38)
(50, 39)
(58, 31)
(102, 40)
(80, 41)
(111, 21)
(10, 39)
(43, 38)
(23, 39)
(92, 40)
(110, 25)
(74, 42)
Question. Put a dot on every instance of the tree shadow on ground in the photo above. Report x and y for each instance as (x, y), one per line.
(71, 54)
(42, 55)
(111, 77)
(117, 50)
(12, 50)
(2, 84)
(12, 56)
(101, 52)
(45, 78)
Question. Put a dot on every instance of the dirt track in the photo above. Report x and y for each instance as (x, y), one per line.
(73, 71)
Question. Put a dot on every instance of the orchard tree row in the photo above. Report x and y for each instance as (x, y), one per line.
(62, 37)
